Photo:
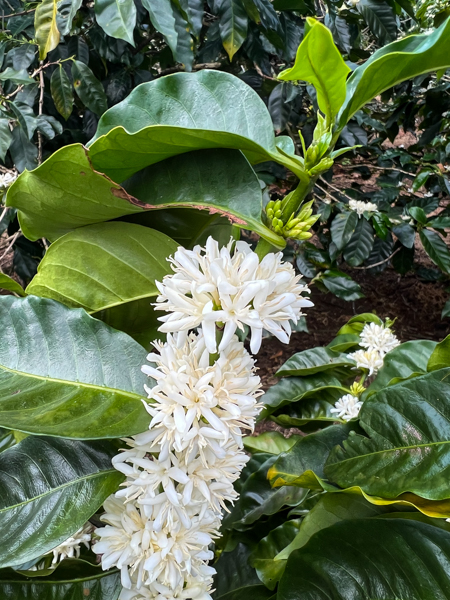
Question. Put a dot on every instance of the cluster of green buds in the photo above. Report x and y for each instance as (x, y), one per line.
(357, 389)
(297, 227)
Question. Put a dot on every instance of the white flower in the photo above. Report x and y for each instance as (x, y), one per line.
(367, 359)
(230, 289)
(378, 338)
(196, 401)
(7, 179)
(347, 407)
(361, 207)
(71, 547)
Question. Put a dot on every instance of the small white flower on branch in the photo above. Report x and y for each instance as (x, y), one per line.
(379, 338)
(71, 547)
(231, 289)
(361, 207)
(347, 407)
(367, 359)
(7, 179)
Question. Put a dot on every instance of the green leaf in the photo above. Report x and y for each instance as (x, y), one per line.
(313, 361)
(5, 137)
(23, 152)
(7, 283)
(117, 18)
(343, 227)
(88, 88)
(61, 90)
(162, 19)
(185, 44)
(356, 324)
(418, 214)
(102, 586)
(271, 442)
(440, 222)
(405, 234)
(402, 362)
(312, 412)
(66, 14)
(370, 559)
(262, 558)
(19, 77)
(380, 18)
(64, 373)
(407, 448)
(394, 63)
(46, 30)
(344, 342)
(106, 267)
(235, 579)
(41, 477)
(320, 63)
(440, 358)
(184, 112)
(294, 389)
(360, 245)
(403, 260)
(232, 25)
(65, 192)
(305, 461)
(330, 509)
(446, 310)
(341, 285)
(436, 249)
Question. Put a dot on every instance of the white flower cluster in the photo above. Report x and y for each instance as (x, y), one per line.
(377, 340)
(361, 207)
(180, 473)
(71, 547)
(213, 287)
(7, 179)
(347, 407)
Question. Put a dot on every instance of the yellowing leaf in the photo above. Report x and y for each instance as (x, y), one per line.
(47, 33)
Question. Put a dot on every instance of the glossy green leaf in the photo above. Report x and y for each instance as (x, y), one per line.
(64, 373)
(61, 90)
(88, 88)
(312, 412)
(184, 112)
(320, 63)
(232, 25)
(23, 152)
(19, 77)
(51, 487)
(341, 285)
(262, 558)
(305, 461)
(402, 362)
(7, 283)
(343, 227)
(161, 16)
(394, 63)
(356, 324)
(440, 357)
(330, 509)
(66, 14)
(405, 234)
(315, 360)
(117, 18)
(236, 579)
(102, 586)
(47, 33)
(407, 448)
(370, 559)
(436, 249)
(102, 266)
(446, 310)
(185, 43)
(65, 193)
(344, 342)
(269, 441)
(5, 137)
(380, 18)
(360, 245)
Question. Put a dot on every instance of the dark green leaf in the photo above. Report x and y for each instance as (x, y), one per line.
(403, 260)
(185, 44)
(23, 152)
(446, 310)
(67, 9)
(19, 77)
(436, 249)
(42, 478)
(5, 137)
(271, 442)
(7, 283)
(406, 234)
(418, 214)
(343, 227)
(161, 16)
(313, 361)
(341, 285)
(88, 87)
(380, 18)
(61, 90)
(64, 373)
(117, 18)
(360, 245)
(232, 25)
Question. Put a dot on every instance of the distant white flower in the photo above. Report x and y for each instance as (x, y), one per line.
(230, 289)
(347, 407)
(71, 547)
(367, 359)
(361, 207)
(7, 179)
(378, 338)
(193, 400)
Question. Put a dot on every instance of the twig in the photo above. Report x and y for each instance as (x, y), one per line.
(23, 12)
(41, 107)
(261, 74)
(379, 263)
(13, 240)
(333, 187)
(4, 211)
(369, 165)
(326, 192)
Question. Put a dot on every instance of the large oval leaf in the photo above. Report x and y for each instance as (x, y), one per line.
(353, 560)
(64, 373)
(47, 33)
(408, 443)
(314, 360)
(50, 488)
(107, 267)
(233, 23)
(117, 18)
(184, 112)
(394, 63)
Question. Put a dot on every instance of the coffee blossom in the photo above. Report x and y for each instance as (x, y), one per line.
(347, 407)
(7, 179)
(379, 338)
(71, 547)
(361, 207)
(231, 288)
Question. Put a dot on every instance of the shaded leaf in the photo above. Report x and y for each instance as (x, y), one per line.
(117, 18)
(380, 18)
(313, 361)
(436, 249)
(341, 285)
(46, 30)
(61, 90)
(360, 245)
(88, 88)
(271, 442)
(232, 25)
(343, 227)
